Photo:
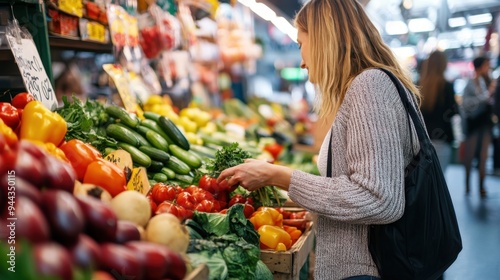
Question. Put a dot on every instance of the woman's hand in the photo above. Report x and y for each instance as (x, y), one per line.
(254, 174)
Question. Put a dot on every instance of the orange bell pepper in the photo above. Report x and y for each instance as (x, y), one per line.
(272, 236)
(106, 175)
(294, 232)
(80, 155)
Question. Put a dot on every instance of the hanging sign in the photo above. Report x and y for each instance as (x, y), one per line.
(32, 71)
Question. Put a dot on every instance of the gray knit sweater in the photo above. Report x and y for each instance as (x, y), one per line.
(371, 148)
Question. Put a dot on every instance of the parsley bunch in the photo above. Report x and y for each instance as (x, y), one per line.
(229, 156)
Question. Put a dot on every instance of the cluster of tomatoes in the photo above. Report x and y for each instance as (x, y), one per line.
(209, 197)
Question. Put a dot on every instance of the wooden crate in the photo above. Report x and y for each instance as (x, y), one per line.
(199, 273)
(287, 265)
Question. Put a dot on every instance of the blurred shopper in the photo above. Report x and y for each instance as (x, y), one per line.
(438, 105)
(370, 138)
(477, 113)
(496, 135)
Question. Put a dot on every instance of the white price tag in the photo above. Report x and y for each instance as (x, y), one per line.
(32, 71)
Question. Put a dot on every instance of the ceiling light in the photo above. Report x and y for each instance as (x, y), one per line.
(263, 11)
(417, 25)
(457, 22)
(396, 28)
(247, 3)
(480, 18)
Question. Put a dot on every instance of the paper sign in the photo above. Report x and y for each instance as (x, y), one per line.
(32, 71)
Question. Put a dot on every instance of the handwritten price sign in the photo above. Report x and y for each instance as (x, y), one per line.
(34, 76)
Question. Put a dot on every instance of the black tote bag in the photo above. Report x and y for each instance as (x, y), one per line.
(426, 240)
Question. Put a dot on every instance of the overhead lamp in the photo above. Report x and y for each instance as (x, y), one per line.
(283, 25)
(263, 11)
(480, 18)
(457, 22)
(417, 25)
(408, 4)
(396, 28)
(247, 3)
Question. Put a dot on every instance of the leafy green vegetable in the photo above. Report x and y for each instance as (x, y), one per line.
(216, 264)
(85, 122)
(262, 272)
(229, 156)
(231, 236)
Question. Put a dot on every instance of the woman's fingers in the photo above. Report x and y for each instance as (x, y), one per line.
(225, 174)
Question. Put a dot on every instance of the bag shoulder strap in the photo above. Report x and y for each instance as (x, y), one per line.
(411, 111)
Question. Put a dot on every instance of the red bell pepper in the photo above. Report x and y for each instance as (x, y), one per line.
(9, 115)
(80, 155)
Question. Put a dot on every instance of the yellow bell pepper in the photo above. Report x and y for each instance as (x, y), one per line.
(51, 149)
(40, 124)
(8, 133)
(266, 216)
(272, 236)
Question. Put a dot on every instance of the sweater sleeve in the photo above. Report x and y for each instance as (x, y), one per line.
(372, 191)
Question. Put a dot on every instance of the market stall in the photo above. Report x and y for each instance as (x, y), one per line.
(104, 190)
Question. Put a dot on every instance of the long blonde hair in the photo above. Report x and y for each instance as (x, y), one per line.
(343, 43)
(432, 80)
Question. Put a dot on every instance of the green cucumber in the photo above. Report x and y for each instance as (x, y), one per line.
(169, 172)
(154, 139)
(121, 114)
(186, 179)
(160, 177)
(155, 166)
(206, 151)
(186, 156)
(138, 157)
(156, 128)
(173, 133)
(108, 151)
(142, 140)
(213, 140)
(152, 116)
(155, 154)
(122, 134)
(178, 166)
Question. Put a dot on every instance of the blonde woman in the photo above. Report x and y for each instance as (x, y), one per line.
(342, 49)
(438, 105)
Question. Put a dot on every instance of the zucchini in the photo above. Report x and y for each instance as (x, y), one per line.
(122, 134)
(186, 179)
(154, 139)
(152, 116)
(157, 141)
(206, 151)
(155, 154)
(186, 156)
(121, 114)
(160, 177)
(156, 128)
(155, 166)
(169, 172)
(173, 133)
(142, 140)
(138, 157)
(178, 166)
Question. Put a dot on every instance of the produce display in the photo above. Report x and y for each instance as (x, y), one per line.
(100, 193)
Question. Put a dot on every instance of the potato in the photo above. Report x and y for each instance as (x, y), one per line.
(166, 229)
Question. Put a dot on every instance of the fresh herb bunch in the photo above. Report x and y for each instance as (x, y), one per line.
(229, 156)
(86, 122)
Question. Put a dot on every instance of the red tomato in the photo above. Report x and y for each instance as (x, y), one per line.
(248, 210)
(237, 198)
(192, 189)
(152, 204)
(274, 149)
(249, 201)
(202, 195)
(205, 206)
(224, 211)
(186, 200)
(222, 196)
(217, 206)
(162, 192)
(167, 207)
(21, 99)
(205, 182)
(224, 185)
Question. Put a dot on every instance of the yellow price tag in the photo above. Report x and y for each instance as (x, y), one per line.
(139, 181)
